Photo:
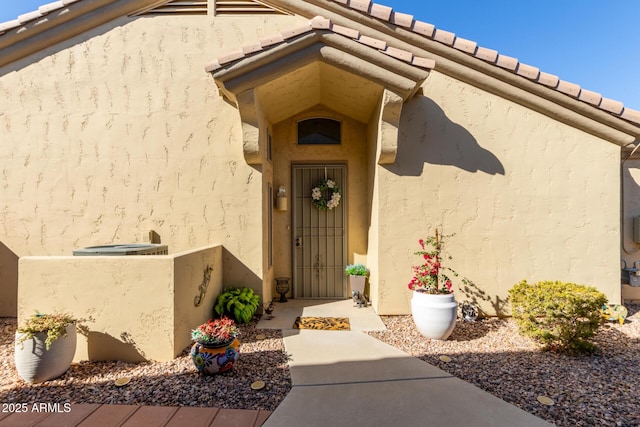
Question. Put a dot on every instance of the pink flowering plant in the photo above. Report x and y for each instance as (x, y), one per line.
(431, 277)
(216, 332)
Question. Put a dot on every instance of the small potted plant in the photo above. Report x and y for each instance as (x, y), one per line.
(45, 345)
(357, 277)
(216, 346)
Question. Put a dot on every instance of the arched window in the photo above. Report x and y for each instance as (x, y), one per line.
(318, 131)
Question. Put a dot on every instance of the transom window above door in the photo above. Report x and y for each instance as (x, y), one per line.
(319, 131)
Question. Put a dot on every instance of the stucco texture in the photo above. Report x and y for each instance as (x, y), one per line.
(120, 131)
(526, 197)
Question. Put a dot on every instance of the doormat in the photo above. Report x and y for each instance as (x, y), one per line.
(322, 323)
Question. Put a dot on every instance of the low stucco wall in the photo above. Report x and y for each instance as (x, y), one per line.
(142, 306)
(188, 272)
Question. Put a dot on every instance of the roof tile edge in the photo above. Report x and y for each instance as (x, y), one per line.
(319, 23)
(387, 14)
(531, 73)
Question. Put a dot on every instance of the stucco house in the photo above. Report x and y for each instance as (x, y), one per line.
(186, 120)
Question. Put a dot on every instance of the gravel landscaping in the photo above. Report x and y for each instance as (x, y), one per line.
(597, 390)
(174, 383)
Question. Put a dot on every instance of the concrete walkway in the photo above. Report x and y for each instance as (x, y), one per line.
(346, 378)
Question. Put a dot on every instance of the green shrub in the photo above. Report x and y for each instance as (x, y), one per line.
(562, 316)
(239, 304)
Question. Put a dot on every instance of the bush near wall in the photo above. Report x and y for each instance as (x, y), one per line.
(562, 316)
(239, 304)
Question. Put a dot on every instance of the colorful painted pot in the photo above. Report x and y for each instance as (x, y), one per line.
(210, 359)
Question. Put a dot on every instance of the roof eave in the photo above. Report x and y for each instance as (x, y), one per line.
(619, 129)
(54, 25)
(318, 45)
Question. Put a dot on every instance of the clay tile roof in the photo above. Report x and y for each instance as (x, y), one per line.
(387, 14)
(493, 57)
(43, 10)
(320, 23)
(33, 15)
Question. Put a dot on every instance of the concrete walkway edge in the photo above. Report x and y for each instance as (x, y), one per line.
(346, 378)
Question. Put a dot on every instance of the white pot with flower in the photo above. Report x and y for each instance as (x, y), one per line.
(433, 306)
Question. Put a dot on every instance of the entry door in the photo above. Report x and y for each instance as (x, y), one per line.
(319, 236)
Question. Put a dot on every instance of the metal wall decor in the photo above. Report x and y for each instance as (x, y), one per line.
(203, 286)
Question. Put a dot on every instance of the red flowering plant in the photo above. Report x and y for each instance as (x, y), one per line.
(431, 277)
(216, 332)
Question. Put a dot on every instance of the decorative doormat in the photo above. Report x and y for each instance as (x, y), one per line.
(323, 323)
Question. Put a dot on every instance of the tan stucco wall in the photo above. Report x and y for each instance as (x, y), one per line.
(376, 284)
(528, 197)
(121, 131)
(142, 306)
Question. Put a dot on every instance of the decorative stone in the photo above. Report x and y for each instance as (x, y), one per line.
(258, 385)
(545, 400)
(469, 312)
(122, 381)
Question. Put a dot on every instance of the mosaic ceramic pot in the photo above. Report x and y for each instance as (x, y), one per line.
(434, 315)
(210, 359)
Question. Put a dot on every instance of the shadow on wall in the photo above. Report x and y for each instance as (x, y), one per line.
(8, 282)
(426, 135)
(472, 293)
(103, 346)
(236, 274)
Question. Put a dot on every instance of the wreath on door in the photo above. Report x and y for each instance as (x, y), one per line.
(330, 201)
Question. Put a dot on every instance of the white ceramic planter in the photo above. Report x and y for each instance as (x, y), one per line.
(434, 315)
(36, 364)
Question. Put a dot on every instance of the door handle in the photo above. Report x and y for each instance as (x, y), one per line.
(299, 241)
